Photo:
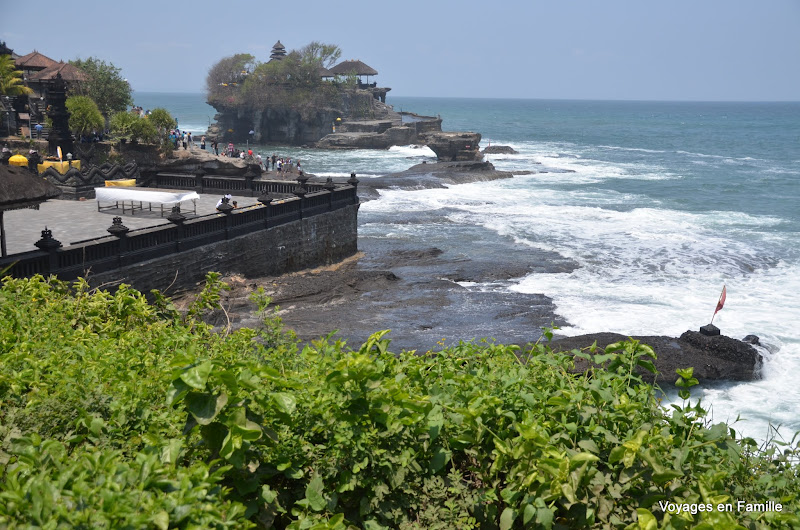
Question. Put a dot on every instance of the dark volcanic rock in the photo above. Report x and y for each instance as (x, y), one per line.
(500, 150)
(454, 146)
(438, 175)
(713, 358)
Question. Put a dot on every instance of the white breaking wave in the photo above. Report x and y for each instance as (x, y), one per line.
(644, 270)
(421, 151)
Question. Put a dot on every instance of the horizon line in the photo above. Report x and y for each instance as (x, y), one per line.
(618, 100)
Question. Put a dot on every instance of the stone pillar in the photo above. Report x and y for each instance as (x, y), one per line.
(249, 175)
(51, 246)
(353, 181)
(60, 134)
(198, 180)
(329, 187)
(301, 191)
(177, 218)
(121, 231)
(265, 199)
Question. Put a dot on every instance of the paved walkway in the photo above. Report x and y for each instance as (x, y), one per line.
(72, 221)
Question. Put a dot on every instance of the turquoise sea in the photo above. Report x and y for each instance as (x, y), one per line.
(661, 204)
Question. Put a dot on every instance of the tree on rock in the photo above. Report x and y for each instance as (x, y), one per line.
(226, 75)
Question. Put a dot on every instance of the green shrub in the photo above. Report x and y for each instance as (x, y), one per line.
(84, 116)
(116, 411)
(122, 125)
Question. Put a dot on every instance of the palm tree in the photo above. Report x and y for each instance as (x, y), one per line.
(11, 78)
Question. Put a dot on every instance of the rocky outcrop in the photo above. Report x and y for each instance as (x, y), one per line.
(454, 146)
(500, 150)
(183, 161)
(714, 358)
(304, 123)
(368, 140)
(438, 175)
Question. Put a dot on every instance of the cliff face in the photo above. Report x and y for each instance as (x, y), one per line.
(358, 121)
(295, 125)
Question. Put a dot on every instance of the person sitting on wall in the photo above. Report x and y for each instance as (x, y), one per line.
(224, 200)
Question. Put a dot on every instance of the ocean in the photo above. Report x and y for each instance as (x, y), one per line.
(660, 203)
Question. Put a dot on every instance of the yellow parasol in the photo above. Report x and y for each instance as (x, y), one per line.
(18, 160)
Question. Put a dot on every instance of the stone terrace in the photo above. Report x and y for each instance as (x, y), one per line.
(72, 221)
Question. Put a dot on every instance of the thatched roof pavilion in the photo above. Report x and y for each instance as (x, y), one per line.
(19, 188)
(353, 67)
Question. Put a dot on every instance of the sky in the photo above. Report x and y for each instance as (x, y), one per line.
(695, 50)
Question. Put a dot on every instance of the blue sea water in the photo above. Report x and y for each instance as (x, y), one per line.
(661, 204)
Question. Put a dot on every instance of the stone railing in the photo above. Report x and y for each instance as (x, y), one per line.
(126, 247)
(244, 186)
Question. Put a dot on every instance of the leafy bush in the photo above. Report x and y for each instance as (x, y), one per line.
(118, 411)
(122, 124)
(162, 120)
(130, 126)
(84, 116)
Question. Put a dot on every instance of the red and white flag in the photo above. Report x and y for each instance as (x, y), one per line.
(720, 303)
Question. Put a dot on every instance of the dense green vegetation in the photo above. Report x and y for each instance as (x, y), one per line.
(116, 412)
(240, 81)
(84, 116)
(105, 85)
(154, 128)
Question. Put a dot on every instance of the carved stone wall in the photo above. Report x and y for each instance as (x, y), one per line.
(76, 184)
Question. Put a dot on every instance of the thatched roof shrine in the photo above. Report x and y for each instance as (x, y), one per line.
(353, 67)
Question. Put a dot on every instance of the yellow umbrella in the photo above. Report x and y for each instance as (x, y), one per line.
(18, 160)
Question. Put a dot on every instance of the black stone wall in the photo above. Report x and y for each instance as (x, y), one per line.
(319, 240)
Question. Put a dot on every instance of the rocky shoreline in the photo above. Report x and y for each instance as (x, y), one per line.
(421, 290)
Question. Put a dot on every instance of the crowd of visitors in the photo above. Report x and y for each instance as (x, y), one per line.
(281, 165)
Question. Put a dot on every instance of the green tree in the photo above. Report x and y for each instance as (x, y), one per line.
(105, 86)
(11, 79)
(162, 119)
(84, 116)
(321, 54)
(228, 74)
(122, 125)
(144, 130)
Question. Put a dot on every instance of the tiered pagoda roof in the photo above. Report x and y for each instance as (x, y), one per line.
(278, 52)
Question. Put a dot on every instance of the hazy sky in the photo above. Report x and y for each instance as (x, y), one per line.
(563, 49)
